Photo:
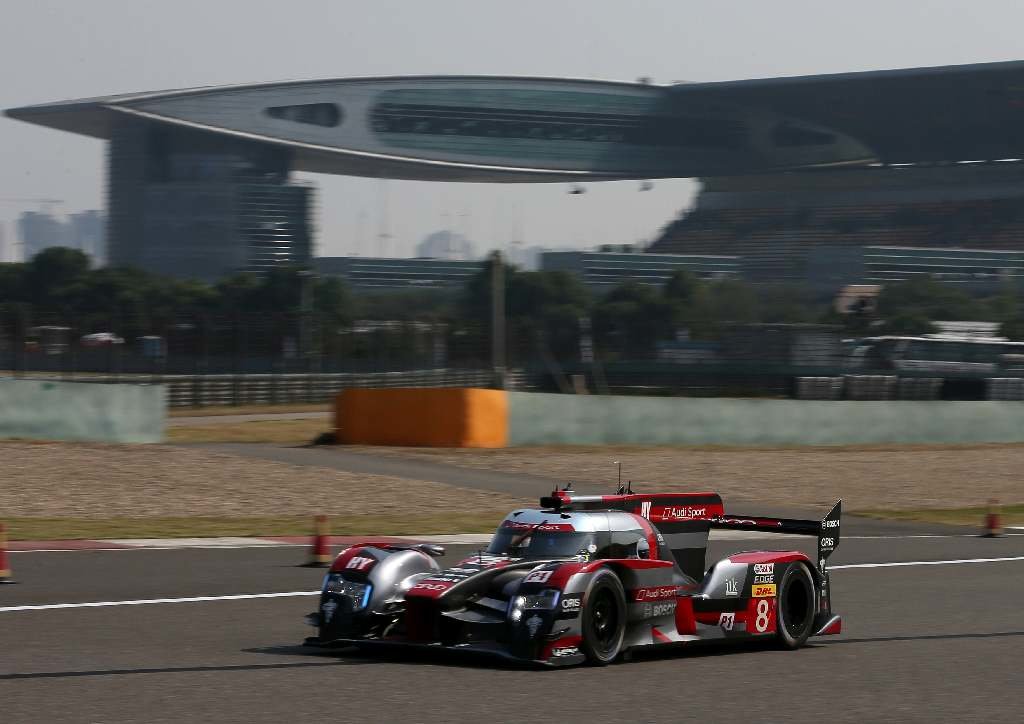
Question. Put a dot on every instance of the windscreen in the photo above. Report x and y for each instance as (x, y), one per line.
(537, 542)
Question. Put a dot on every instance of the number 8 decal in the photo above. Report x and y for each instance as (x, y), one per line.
(762, 620)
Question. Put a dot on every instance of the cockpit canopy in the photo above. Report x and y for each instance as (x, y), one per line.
(588, 536)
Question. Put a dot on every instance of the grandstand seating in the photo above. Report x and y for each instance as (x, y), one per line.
(775, 242)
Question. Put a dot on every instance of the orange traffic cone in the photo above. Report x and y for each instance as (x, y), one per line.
(5, 567)
(320, 551)
(993, 521)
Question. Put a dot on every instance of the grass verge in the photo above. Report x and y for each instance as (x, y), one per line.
(1012, 515)
(83, 528)
(282, 432)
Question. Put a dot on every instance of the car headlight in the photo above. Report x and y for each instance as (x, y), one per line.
(545, 600)
(357, 593)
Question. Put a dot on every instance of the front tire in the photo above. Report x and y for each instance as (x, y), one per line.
(795, 606)
(604, 618)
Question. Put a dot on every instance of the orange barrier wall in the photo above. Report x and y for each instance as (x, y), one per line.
(428, 417)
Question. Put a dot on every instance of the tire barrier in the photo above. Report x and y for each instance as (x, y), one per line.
(1006, 388)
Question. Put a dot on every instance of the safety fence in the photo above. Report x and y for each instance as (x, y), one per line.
(237, 358)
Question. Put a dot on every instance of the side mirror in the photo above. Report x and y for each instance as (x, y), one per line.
(643, 549)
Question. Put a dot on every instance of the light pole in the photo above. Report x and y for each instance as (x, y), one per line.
(498, 319)
(306, 280)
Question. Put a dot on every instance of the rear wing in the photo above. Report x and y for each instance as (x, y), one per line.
(826, 529)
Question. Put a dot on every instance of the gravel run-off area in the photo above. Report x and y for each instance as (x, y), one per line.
(84, 480)
(869, 478)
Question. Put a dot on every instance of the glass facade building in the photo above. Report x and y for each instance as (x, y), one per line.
(369, 273)
(198, 205)
(606, 269)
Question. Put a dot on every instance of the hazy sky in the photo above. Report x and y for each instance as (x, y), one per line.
(59, 49)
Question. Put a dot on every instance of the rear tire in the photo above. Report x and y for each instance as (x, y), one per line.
(603, 619)
(795, 607)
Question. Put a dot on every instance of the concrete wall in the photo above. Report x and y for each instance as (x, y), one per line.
(43, 410)
(541, 419)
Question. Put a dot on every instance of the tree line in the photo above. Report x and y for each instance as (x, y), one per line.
(546, 310)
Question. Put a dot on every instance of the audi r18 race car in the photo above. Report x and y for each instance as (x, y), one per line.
(585, 579)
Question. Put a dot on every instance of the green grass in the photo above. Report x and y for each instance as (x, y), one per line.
(1011, 514)
(97, 529)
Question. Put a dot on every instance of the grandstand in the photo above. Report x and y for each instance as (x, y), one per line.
(962, 223)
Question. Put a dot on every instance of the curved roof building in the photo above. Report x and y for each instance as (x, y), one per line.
(199, 178)
(477, 128)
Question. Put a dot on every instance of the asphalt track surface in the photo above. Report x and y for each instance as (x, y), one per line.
(920, 643)
(339, 458)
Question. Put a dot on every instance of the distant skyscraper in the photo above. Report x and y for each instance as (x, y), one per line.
(85, 231)
(39, 230)
(199, 205)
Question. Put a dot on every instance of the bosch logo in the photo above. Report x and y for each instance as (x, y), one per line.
(654, 610)
(825, 524)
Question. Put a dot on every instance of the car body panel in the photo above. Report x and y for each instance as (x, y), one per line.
(516, 601)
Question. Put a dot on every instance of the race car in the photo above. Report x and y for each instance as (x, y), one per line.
(585, 579)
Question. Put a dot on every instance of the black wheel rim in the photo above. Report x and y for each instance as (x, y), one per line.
(604, 621)
(796, 608)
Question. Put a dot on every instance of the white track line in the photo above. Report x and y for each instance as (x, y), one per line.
(900, 564)
(235, 543)
(295, 594)
(150, 601)
(159, 548)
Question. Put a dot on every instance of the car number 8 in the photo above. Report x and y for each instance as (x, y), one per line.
(761, 622)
